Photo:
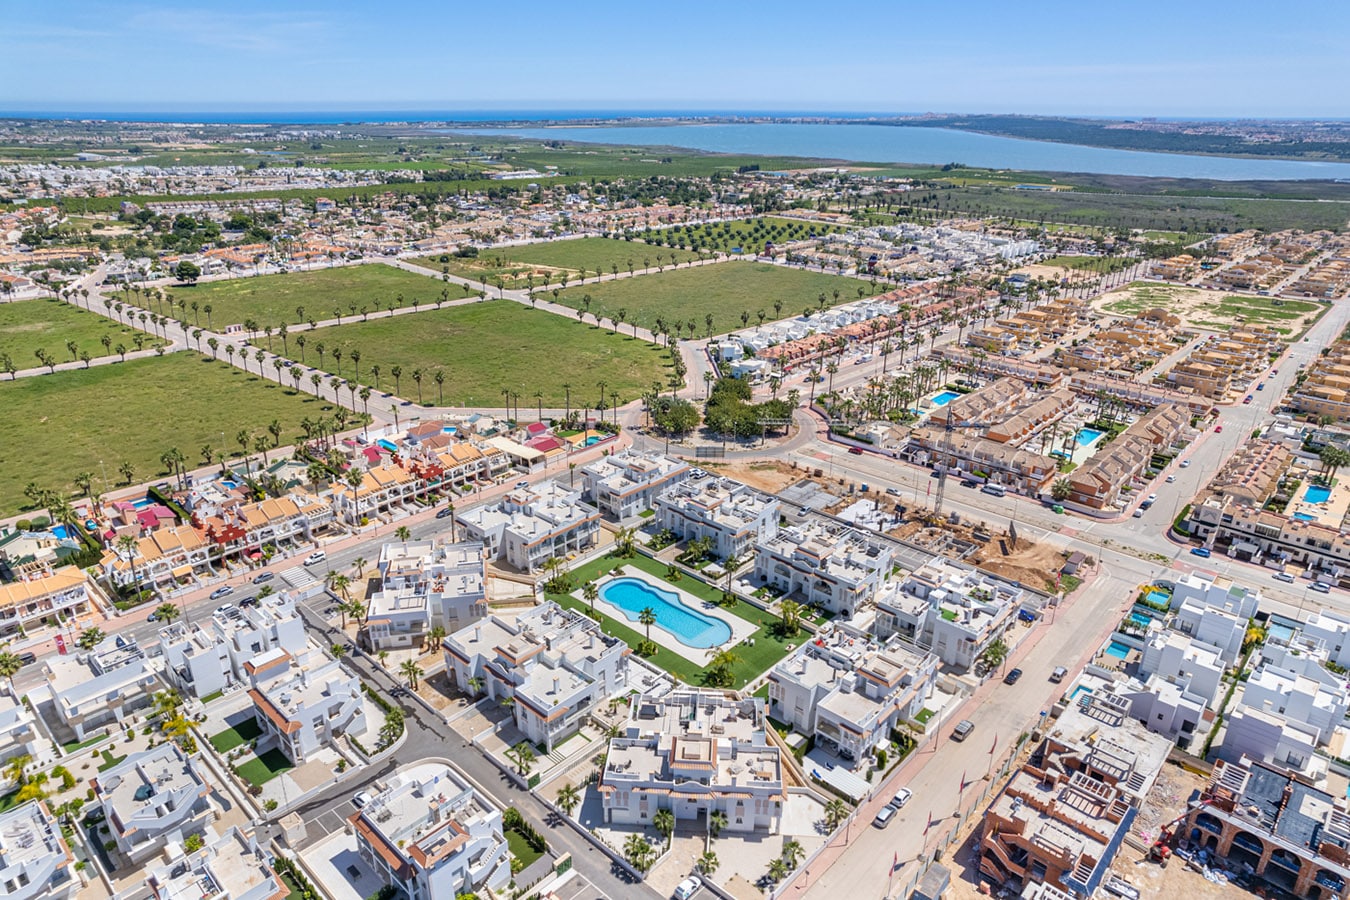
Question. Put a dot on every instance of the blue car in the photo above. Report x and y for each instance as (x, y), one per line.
(1200, 551)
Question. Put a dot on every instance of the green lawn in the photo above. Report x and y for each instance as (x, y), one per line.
(485, 347)
(321, 294)
(8, 801)
(547, 261)
(109, 760)
(236, 735)
(723, 291)
(520, 849)
(262, 769)
(769, 648)
(1097, 264)
(80, 745)
(27, 326)
(744, 235)
(91, 420)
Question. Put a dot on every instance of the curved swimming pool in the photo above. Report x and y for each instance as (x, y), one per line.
(688, 626)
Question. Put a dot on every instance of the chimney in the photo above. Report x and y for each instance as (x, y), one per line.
(478, 632)
(557, 682)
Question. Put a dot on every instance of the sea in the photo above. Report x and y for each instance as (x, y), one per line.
(937, 146)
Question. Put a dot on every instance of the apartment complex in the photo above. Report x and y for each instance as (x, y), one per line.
(818, 563)
(151, 798)
(18, 731)
(99, 688)
(425, 585)
(36, 863)
(232, 867)
(626, 484)
(42, 594)
(1326, 390)
(304, 702)
(735, 516)
(554, 664)
(694, 752)
(203, 659)
(431, 834)
(1099, 482)
(1126, 346)
(532, 524)
(850, 691)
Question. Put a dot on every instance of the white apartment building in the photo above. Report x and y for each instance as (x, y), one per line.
(849, 690)
(19, 733)
(202, 659)
(304, 702)
(1189, 663)
(626, 483)
(1294, 685)
(1332, 632)
(530, 525)
(1218, 591)
(734, 515)
(151, 798)
(953, 610)
(1167, 708)
(1217, 626)
(424, 585)
(101, 687)
(232, 867)
(1271, 738)
(432, 835)
(44, 594)
(821, 564)
(35, 861)
(554, 663)
(694, 752)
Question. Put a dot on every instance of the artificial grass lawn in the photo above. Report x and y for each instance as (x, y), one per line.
(27, 326)
(262, 769)
(769, 648)
(80, 745)
(723, 291)
(236, 735)
(273, 299)
(59, 425)
(485, 347)
(546, 261)
(109, 760)
(520, 849)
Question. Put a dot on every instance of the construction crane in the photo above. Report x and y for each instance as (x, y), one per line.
(946, 455)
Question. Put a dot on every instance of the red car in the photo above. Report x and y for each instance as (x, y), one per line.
(1218, 428)
(856, 451)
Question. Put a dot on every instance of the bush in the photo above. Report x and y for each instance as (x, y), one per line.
(23, 524)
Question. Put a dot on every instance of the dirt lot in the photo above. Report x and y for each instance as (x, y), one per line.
(1212, 310)
(771, 477)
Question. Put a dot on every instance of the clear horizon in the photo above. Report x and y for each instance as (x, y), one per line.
(1203, 61)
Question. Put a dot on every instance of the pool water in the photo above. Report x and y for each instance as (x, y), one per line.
(60, 531)
(388, 445)
(688, 626)
(1139, 619)
(593, 439)
(945, 397)
(1317, 494)
(1280, 632)
(1118, 650)
(142, 503)
(1086, 436)
(1304, 517)
(1081, 689)
(1157, 597)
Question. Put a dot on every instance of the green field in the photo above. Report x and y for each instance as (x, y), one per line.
(322, 294)
(1217, 311)
(485, 347)
(1098, 264)
(27, 326)
(743, 235)
(262, 769)
(722, 291)
(545, 262)
(60, 425)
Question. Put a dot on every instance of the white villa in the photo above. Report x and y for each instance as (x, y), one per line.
(151, 798)
(304, 702)
(202, 659)
(424, 585)
(627, 483)
(735, 516)
(819, 564)
(530, 525)
(35, 860)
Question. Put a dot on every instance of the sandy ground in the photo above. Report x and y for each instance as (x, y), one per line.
(765, 476)
(1198, 308)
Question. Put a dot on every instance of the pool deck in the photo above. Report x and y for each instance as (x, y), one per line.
(1331, 513)
(740, 628)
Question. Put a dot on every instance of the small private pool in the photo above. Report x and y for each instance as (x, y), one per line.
(1078, 692)
(1304, 517)
(388, 445)
(944, 398)
(1118, 650)
(1140, 619)
(142, 503)
(1280, 631)
(688, 626)
(1087, 436)
(593, 439)
(1158, 598)
(1316, 493)
(60, 531)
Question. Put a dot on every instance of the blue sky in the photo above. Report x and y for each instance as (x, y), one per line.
(1139, 57)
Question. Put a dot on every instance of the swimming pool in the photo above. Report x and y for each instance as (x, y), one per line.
(1086, 436)
(593, 439)
(1157, 597)
(1118, 650)
(1139, 619)
(1304, 517)
(1280, 632)
(388, 445)
(1317, 494)
(142, 503)
(945, 397)
(688, 626)
(228, 484)
(60, 531)
(1081, 689)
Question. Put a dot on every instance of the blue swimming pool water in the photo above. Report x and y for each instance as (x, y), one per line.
(229, 484)
(593, 439)
(1086, 436)
(1157, 597)
(142, 503)
(1139, 619)
(1118, 650)
(1081, 689)
(688, 626)
(1317, 494)
(60, 531)
(1280, 632)
(1304, 517)
(388, 445)
(945, 397)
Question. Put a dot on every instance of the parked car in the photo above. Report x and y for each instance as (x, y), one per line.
(1138, 512)
(963, 730)
(442, 512)
(856, 451)
(1247, 399)
(1185, 464)
(221, 591)
(263, 577)
(1201, 551)
(1151, 499)
(687, 888)
(317, 556)
(360, 799)
(894, 492)
(885, 817)
(1218, 429)
(153, 617)
(901, 797)
(1321, 587)
(1284, 576)
(1011, 677)
(1171, 479)
(1058, 675)
(1261, 386)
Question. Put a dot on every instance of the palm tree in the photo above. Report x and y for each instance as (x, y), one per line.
(648, 618)
(402, 533)
(568, 798)
(475, 685)
(522, 754)
(836, 811)
(791, 613)
(720, 668)
(638, 852)
(793, 853)
(90, 638)
(707, 863)
(994, 655)
(717, 820)
(411, 671)
(778, 869)
(590, 593)
(166, 612)
(664, 822)
(9, 667)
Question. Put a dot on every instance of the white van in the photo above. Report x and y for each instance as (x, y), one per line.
(994, 490)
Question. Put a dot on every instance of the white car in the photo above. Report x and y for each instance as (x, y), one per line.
(1171, 478)
(317, 556)
(901, 797)
(687, 888)
(1185, 463)
(360, 799)
(1151, 498)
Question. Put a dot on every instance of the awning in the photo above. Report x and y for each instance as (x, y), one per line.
(182, 571)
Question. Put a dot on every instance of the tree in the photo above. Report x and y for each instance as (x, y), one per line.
(402, 533)
(625, 542)
(436, 635)
(720, 671)
(836, 811)
(994, 655)
(664, 822)
(568, 798)
(590, 593)
(647, 618)
(707, 863)
(793, 853)
(166, 612)
(778, 869)
(187, 272)
(1061, 489)
(522, 754)
(9, 667)
(638, 851)
(791, 613)
(90, 638)
(411, 671)
(475, 684)
(717, 820)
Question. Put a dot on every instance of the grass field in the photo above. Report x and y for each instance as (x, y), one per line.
(1215, 310)
(485, 347)
(274, 299)
(741, 236)
(60, 425)
(769, 647)
(722, 291)
(545, 262)
(27, 326)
